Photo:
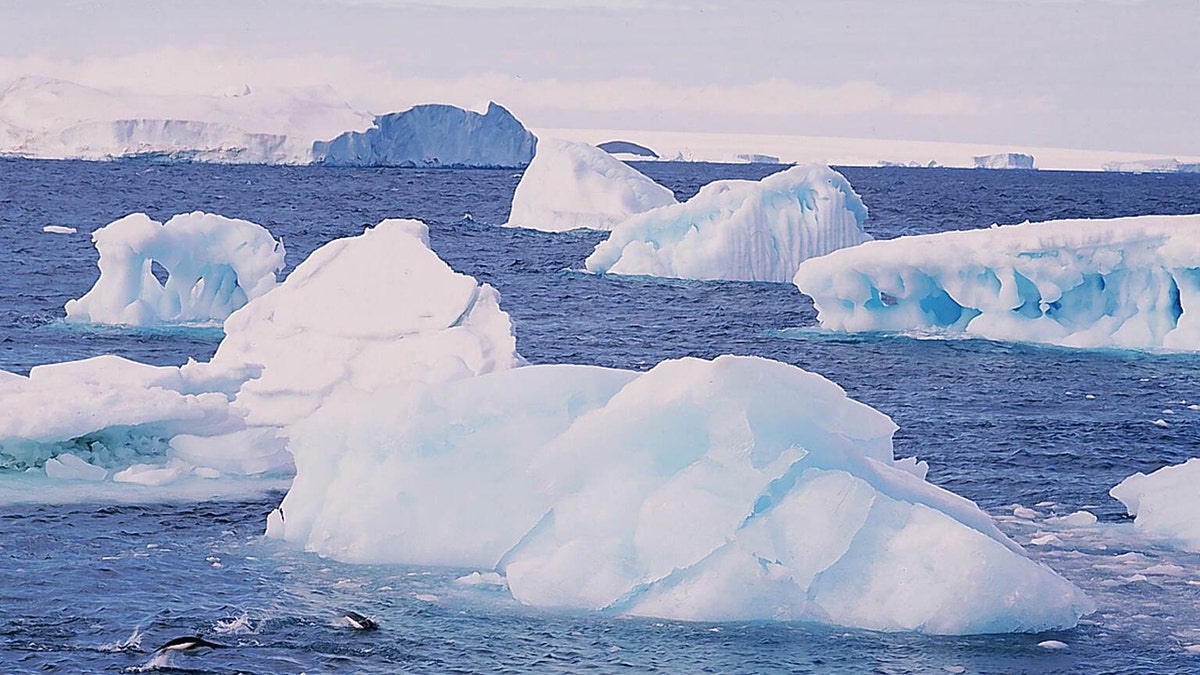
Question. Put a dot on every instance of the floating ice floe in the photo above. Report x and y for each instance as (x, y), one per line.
(1124, 282)
(572, 185)
(739, 230)
(1165, 503)
(213, 266)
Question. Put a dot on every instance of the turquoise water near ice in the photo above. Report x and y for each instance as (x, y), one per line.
(93, 587)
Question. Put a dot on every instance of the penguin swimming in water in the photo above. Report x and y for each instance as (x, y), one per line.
(189, 644)
(359, 622)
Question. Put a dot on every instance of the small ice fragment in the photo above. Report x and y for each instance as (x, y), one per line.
(1194, 406)
(1089, 396)
(1164, 569)
(1192, 649)
(1078, 519)
(477, 579)
(59, 229)
(1168, 411)
(613, 649)
(425, 597)
(1024, 513)
(1161, 423)
(1070, 393)
(1045, 505)
(1044, 539)
(957, 670)
(1135, 578)
(1053, 644)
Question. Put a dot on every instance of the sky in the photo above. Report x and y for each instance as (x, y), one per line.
(1083, 74)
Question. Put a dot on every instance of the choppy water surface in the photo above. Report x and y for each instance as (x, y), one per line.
(93, 588)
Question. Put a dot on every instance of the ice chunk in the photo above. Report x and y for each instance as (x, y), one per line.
(1124, 282)
(571, 185)
(433, 135)
(366, 311)
(69, 467)
(1165, 502)
(213, 266)
(739, 230)
(58, 229)
(1004, 160)
(739, 488)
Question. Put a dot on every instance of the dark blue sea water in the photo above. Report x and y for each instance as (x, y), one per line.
(1001, 424)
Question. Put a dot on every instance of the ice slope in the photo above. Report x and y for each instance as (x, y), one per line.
(433, 136)
(55, 119)
(739, 230)
(1165, 503)
(571, 185)
(1125, 282)
(733, 489)
(214, 265)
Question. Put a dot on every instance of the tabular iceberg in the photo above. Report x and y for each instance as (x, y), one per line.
(1004, 160)
(571, 185)
(433, 136)
(1165, 502)
(739, 230)
(1124, 282)
(214, 265)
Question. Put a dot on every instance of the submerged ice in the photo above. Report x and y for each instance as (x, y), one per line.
(1125, 282)
(739, 230)
(213, 265)
(737, 488)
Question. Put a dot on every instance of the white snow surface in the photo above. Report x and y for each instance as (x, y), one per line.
(1165, 503)
(739, 230)
(1123, 282)
(214, 266)
(733, 489)
(55, 119)
(572, 185)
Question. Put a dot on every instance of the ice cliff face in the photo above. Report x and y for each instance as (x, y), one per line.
(434, 136)
(571, 185)
(1124, 282)
(739, 230)
(1004, 160)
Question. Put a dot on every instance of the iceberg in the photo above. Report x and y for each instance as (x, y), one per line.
(739, 230)
(572, 185)
(1004, 160)
(1165, 503)
(213, 265)
(628, 148)
(1124, 282)
(433, 136)
(732, 489)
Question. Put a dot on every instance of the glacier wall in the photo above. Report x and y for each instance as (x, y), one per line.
(214, 265)
(433, 136)
(571, 185)
(739, 230)
(1125, 282)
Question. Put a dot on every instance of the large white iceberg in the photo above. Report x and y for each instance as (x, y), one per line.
(213, 265)
(733, 489)
(572, 185)
(434, 136)
(1124, 282)
(739, 230)
(1165, 503)
(1004, 160)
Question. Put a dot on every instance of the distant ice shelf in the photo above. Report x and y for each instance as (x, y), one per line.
(1124, 282)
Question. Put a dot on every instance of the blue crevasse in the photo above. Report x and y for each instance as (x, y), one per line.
(434, 136)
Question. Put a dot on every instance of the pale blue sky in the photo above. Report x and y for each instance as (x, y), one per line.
(1115, 75)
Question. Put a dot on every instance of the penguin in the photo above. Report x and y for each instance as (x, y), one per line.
(359, 622)
(189, 644)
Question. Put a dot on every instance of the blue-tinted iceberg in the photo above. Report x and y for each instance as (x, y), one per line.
(572, 185)
(213, 266)
(1124, 282)
(433, 136)
(1165, 503)
(739, 230)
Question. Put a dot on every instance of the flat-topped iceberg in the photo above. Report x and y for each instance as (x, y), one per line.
(433, 136)
(1165, 503)
(739, 230)
(733, 489)
(1124, 282)
(1004, 160)
(213, 266)
(571, 185)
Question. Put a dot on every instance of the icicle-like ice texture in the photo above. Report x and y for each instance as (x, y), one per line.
(1165, 503)
(213, 264)
(1124, 282)
(739, 230)
(574, 185)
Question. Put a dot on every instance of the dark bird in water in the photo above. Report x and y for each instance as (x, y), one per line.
(360, 622)
(189, 644)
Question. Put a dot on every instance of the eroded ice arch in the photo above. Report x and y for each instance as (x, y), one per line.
(213, 265)
(739, 229)
(1123, 282)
